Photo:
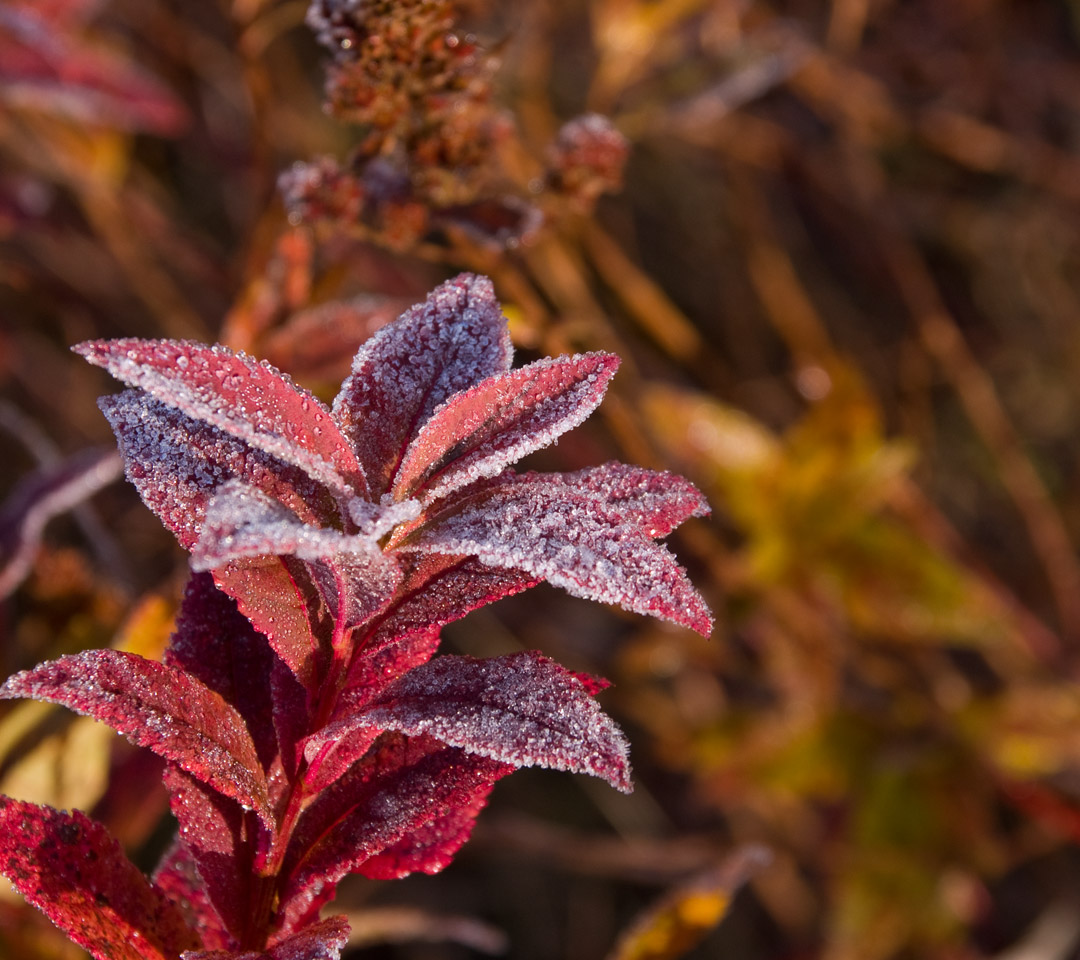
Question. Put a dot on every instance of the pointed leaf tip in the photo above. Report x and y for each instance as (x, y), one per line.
(481, 431)
(244, 398)
(159, 707)
(453, 340)
(522, 709)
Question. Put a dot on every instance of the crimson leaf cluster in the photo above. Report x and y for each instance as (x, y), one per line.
(307, 730)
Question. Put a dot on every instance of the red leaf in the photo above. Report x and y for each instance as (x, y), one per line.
(400, 786)
(275, 594)
(248, 400)
(217, 645)
(522, 709)
(177, 877)
(481, 431)
(177, 463)
(436, 591)
(453, 340)
(68, 866)
(159, 707)
(213, 829)
(552, 532)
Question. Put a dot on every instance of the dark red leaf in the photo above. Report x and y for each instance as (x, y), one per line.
(438, 590)
(549, 531)
(399, 786)
(214, 830)
(177, 463)
(159, 707)
(481, 431)
(67, 866)
(522, 709)
(453, 340)
(177, 877)
(46, 493)
(248, 400)
(430, 847)
(218, 646)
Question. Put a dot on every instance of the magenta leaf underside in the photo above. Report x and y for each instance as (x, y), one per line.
(323, 940)
(73, 871)
(213, 830)
(156, 706)
(177, 877)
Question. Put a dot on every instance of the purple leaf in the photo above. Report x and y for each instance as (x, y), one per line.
(481, 431)
(656, 501)
(216, 644)
(323, 940)
(401, 785)
(159, 707)
(522, 709)
(177, 463)
(214, 830)
(248, 400)
(177, 877)
(68, 866)
(552, 532)
(46, 493)
(453, 340)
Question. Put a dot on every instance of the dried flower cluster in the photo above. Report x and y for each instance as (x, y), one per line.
(309, 733)
(421, 92)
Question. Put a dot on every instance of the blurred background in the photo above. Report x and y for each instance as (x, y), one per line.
(836, 243)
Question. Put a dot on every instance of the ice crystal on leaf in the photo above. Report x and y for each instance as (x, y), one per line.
(309, 733)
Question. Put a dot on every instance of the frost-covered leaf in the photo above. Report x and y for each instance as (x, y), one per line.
(438, 590)
(522, 709)
(248, 400)
(570, 541)
(68, 866)
(656, 501)
(215, 831)
(159, 707)
(481, 431)
(46, 493)
(217, 645)
(177, 877)
(453, 340)
(177, 463)
(399, 786)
